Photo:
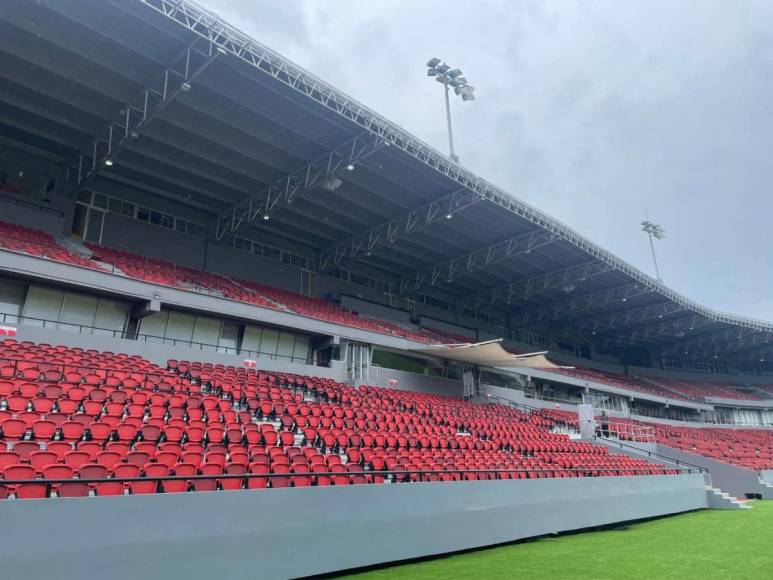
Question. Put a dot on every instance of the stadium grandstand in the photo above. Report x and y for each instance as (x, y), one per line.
(250, 326)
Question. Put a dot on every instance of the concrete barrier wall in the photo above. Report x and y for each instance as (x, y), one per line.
(291, 532)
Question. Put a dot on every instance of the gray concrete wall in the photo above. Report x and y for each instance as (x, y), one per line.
(150, 240)
(455, 328)
(375, 310)
(29, 213)
(380, 377)
(239, 264)
(767, 475)
(293, 532)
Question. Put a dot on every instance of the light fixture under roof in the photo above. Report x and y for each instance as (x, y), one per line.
(109, 162)
(266, 217)
(350, 167)
(449, 216)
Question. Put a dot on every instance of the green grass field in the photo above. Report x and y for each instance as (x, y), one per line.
(704, 544)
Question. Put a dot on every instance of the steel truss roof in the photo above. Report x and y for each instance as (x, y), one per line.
(189, 108)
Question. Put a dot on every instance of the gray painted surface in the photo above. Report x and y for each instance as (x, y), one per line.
(240, 264)
(150, 240)
(379, 377)
(435, 323)
(293, 532)
(767, 475)
(734, 480)
(375, 310)
(30, 216)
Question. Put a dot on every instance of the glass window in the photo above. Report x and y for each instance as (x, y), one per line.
(84, 197)
(269, 340)
(179, 225)
(100, 200)
(301, 351)
(180, 326)
(286, 344)
(11, 300)
(229, 338)
(78, 310)
(143, 214)
(155, 217)
(115, 205)
(154, 326)
(111, 317)
(43, 304)
(207, 330)
(127, 209)
(167, 221)
(191, 228)
(252, 337)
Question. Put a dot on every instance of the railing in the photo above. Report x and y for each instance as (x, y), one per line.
(394, 476)
(24, 203)
(139, 337)
(653, 454)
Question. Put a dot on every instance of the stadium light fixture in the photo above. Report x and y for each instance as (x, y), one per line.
(449, 216)
(266, 217)
(350, 167)
(657, 232)
(109, 162)
(450, 77)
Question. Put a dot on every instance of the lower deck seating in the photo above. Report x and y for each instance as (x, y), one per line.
(73, 415)
(750, 448)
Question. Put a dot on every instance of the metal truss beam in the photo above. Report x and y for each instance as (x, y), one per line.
(523, 289)
(726, 340)
(135, 115)
(390, 231)
(665, 330)
(580, 304)
(621, 318)
(202, 22)
(300, 181)
(469, 263)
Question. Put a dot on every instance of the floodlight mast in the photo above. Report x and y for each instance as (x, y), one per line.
(443, 73)
(656, 231)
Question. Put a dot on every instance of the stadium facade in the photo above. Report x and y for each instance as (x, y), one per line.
(172, 190)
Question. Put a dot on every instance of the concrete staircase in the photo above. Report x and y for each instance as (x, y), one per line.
(719, 500)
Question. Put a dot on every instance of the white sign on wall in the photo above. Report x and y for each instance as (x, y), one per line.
(7, 330)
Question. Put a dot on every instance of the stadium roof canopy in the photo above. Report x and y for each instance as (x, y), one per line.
(167, 97)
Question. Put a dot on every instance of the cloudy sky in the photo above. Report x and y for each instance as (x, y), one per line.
(591, 111)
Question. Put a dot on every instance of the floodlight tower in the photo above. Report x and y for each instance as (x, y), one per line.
(656, 231)
(450, 77)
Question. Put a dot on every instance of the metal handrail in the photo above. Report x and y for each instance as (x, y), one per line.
(349, 474)
(654, 454)
(24, 203)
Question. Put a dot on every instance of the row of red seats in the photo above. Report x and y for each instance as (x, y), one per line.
(37, 243)
(111, 410)
(17, 238)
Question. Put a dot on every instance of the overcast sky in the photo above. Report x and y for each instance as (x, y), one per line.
(588, 110)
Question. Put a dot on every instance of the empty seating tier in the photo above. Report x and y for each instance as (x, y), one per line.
(73, 416)
(40, 244)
